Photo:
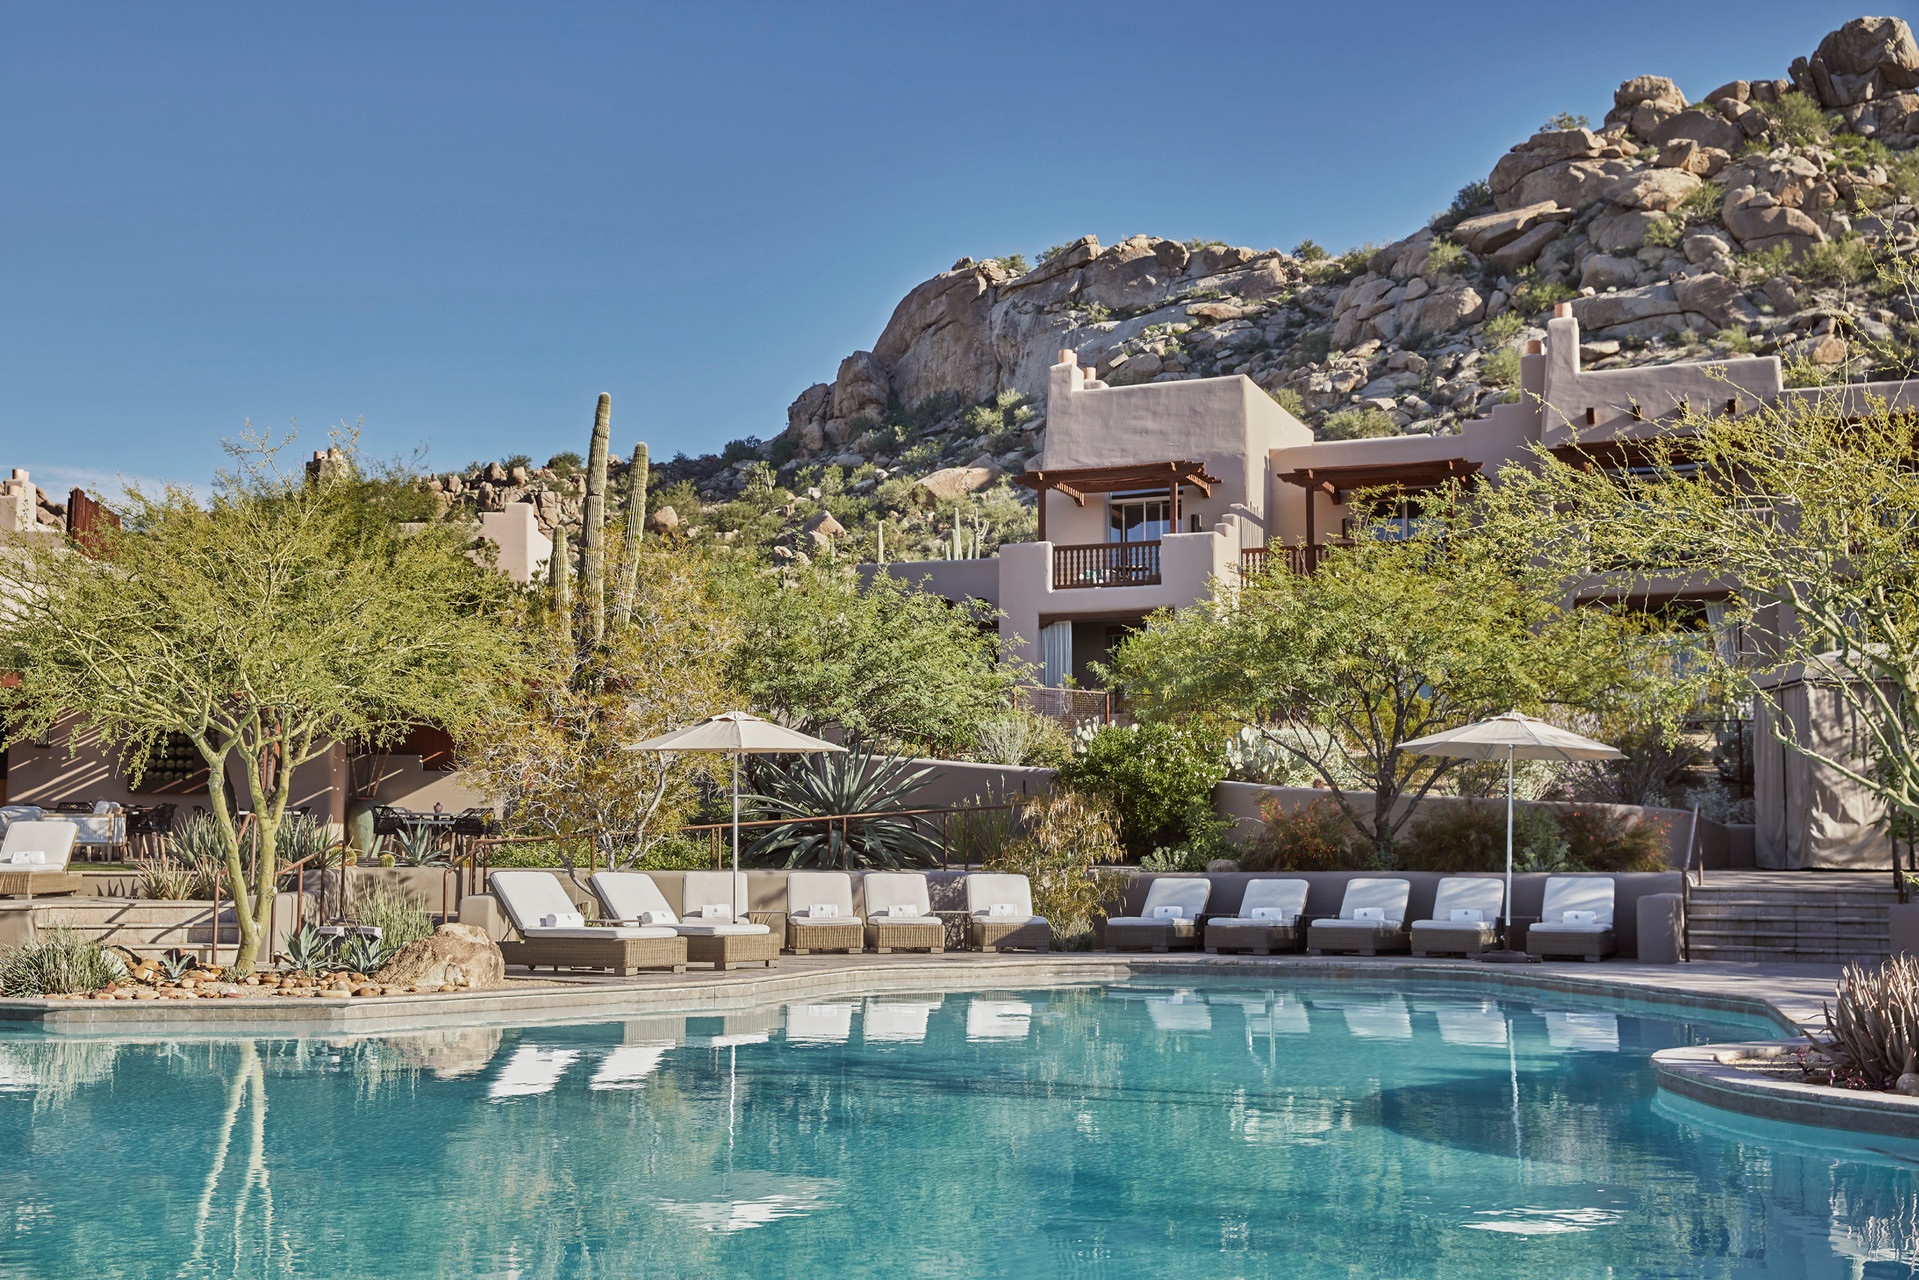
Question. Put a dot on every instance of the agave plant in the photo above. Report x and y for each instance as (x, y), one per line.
(306, 950)
(861, 782)
(176, 964)
(1873, 1033)
(301, 837)
(201, 847)
(420, 846)
(362, 954)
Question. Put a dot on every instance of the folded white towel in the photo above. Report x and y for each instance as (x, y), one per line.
(1271, 913)
(1468, 915)
(22, 857)
(1000, 911)
(1169, 913)
(1377, 914)
(1579, 917)
(657, 917)
(824, 911)
(563, 920)
(716, 911)
(904, 910)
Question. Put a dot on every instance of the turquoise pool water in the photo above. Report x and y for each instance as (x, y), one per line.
(1298, 1131)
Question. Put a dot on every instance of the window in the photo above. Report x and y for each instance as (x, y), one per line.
(1139, 519)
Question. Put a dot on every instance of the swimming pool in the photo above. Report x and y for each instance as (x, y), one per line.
(1309, 1131)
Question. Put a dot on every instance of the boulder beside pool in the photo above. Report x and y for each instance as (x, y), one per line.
(456, 955)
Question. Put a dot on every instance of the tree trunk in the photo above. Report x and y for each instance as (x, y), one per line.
(636, 479)
(593, 521)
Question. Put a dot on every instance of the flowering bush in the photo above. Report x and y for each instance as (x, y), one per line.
(1153, 776)
(1313, 837)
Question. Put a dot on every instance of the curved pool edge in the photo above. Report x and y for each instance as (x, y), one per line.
(1692, 988)
(1696, 1072)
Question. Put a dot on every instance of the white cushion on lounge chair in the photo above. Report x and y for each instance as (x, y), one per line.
(701, 889)
(631, 895)
(530, 896)
(895, 895)
(617, 931)
(721, 928)
(1002, 911)
(54, 840)
(1188, 893)
(988, 889)
(821, 889)
(1288, 896)
(1369, 891)
(1578, 893)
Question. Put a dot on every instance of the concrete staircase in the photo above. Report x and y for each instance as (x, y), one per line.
(1803, 917)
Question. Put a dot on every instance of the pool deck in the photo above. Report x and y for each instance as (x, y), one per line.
(1790, 995)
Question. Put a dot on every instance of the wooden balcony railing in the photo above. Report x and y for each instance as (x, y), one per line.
(1295, 559)
(1106, 564)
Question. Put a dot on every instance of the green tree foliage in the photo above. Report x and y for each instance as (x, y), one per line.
(280, 617)
(1154, 776)
(884, 663)
(1388, 641)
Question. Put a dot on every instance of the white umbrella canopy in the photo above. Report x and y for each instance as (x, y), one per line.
(737, 733)
(1512, 736)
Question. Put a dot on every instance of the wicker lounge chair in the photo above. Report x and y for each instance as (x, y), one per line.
(712, 935)
(899, 913)
(1268, 919)
(1000, 910)
(1465, 917)
(532, 896)
(1357, 933)
(1170, 916)
(819, 913)
(1557, 935)
(34, 858)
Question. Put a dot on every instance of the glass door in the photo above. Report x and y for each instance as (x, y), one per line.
(1139, 520)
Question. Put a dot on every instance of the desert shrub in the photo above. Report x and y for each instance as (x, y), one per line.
(1530, 296)
(1563, 121)
(1501, 368)
(1022, 738)
(1505, 326)
(59, 963)
(1846, 260)
(565, 465)
(1444, 258)
(1733, 341)
(1472, 837)
(1338, 270)
(538, 853)
(1310, 251)
(1289, 400)
(1757, 268)
(1902, 175)
(1067, 833)
(1655, 761)
(1358, 424)
(400, 917)
(1014, 262)
(1152, 775)
(165, 880)
(1664, 233)
(1872, 1038)
(1208, 837)
(1797, 119)
(1600, 839)
(1051, 251)
(681, 851)
(1312, 837)
(1717, 803)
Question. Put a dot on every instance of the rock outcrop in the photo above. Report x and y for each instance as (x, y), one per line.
(455, 955)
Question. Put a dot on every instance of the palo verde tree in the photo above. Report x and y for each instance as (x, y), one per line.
(1389, 640)
(1806, 513)
(283, 615)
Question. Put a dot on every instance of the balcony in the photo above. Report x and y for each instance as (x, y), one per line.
(1106, 564)
(1294, 559)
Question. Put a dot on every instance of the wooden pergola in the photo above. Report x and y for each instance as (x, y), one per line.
(1132, 477)
(1412, 476)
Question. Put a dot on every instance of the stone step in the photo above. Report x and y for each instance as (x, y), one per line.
(1741, 955)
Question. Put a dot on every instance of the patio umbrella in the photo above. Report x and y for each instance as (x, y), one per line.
(1512, 736)
(737, 733)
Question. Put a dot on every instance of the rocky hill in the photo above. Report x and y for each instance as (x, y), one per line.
(1772, 216)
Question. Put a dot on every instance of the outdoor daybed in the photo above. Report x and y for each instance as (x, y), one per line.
(1268, 919)
(899, 913)
(34, 857)
(552, 932)
(712, 935)
(819, 913)
(999, 909)
(1465, 917)
(1372, 919)
(1576, 919)
(1171, 915)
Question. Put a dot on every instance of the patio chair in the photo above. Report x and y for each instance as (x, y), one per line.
(899, 913)
(104, 828)
(1465, 917)
(632, 897)
(533, 898)
(12, 813)
(999, 909)
(1576, 920)
(819, 913)
(1372, 919)
(34, 859)
(1171, 915)
(1267, 921)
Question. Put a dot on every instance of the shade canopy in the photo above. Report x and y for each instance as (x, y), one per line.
(1513, 736)
(735, 731)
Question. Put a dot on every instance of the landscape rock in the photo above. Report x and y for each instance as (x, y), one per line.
(1658, 190)
(951, 482)
(1702, 129)
(1759, 226)
(1496, 230)
(665, 520)
(458, 954)
(1865, 59)
(1603, 271)
(1718, 299)
(1608, 310)
(1642, 102)
(1621, 229)
(939, 339)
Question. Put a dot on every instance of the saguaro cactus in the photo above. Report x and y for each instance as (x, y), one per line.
(635, 530)
(558, 580)
(593, 521)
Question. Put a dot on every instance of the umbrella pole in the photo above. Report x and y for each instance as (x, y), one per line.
(734, 896)
(1509, 844)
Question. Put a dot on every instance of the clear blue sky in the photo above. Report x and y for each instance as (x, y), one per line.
(460, 222)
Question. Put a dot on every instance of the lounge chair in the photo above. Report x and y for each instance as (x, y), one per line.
(712, 935)
(12, 813)
(899, 913)
(532, 897)
(1576, 919)
(1465, 917)
(819, 913)
(34, 858)
(999, 909)
(1267, 921)
(1372, 919)
(1171, 915)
